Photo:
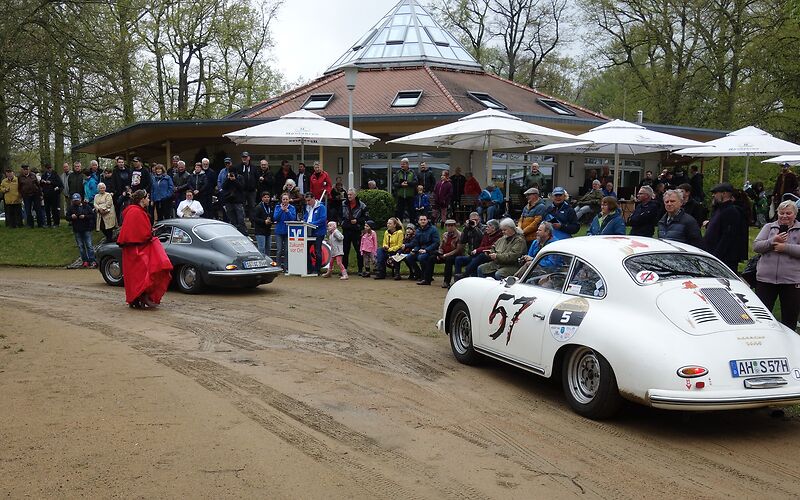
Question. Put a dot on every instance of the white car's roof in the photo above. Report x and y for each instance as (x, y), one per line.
(613, 249)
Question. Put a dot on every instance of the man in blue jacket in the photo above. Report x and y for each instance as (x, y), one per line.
(564, 217)
(423, 251)
(315, 213)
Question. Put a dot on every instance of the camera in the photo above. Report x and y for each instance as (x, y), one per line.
(471, 223)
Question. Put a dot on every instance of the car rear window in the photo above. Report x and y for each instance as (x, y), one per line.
(208, 232)
(646, 269)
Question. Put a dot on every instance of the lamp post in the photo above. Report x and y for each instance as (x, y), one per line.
(350, 74)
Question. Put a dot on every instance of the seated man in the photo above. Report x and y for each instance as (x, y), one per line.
(544, 236)
(590, 202)
(506, 253)
(489, 202)
(479, 255)
(423, 251)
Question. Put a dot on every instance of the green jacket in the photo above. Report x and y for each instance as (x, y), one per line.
(508, 250)
(404, 191)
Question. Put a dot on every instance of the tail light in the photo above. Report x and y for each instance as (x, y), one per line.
(692, 371)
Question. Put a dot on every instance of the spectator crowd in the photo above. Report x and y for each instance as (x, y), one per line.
(489, 243)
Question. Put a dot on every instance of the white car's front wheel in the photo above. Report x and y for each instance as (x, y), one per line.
(460, 329)
(589, 383)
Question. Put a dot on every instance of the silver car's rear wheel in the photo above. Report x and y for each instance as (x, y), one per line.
(111, 269)
(189, 279)
(589, 383)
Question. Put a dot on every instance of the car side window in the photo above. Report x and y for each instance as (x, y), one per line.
(550, 271)
(586, 281)
(180, 236)
(163, 233)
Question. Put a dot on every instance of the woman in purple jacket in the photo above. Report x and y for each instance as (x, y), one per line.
(778, 270)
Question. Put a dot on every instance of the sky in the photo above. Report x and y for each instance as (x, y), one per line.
(310, 35)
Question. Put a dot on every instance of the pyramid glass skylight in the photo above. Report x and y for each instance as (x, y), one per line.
(407, 35)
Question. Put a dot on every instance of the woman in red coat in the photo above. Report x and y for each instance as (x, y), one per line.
(145, 265)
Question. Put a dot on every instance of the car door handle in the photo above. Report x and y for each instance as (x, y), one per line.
(539, 316)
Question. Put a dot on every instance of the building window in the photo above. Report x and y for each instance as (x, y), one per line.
(556, 107)
(487, 100)
(317, 101)
(406, 99)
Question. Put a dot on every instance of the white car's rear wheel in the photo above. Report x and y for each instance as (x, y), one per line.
(460, 329)
(589, 383)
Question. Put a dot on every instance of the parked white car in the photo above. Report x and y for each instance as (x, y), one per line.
(656, 322)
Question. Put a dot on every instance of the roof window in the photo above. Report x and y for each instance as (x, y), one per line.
(487, 100)
(407, 99)
(437, 36)
(556, 107)
(317, 101)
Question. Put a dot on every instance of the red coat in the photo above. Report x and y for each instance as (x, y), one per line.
(319, 183)
(145, 265)
(472, 187)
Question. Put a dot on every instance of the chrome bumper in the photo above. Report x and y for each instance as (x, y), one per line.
(677, 400)
(243, 273)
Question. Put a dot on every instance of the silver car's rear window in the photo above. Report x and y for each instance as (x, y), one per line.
(649, 268)
(208, 232)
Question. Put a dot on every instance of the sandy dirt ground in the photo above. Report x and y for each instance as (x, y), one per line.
(311, 388)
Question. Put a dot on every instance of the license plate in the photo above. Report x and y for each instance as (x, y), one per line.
(250, 264)
(764, 366)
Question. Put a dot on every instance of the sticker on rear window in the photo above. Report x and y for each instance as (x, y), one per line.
(646, 277)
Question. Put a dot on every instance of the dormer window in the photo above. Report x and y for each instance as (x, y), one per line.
(487, 100)
(317, 101)
(556, 107)
(406, 99)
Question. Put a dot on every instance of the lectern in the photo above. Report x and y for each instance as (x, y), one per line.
(300, 238)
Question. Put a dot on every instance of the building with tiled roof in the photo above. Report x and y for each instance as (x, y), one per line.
(413, 75)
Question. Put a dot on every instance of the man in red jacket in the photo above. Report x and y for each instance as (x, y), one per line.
(320, 182)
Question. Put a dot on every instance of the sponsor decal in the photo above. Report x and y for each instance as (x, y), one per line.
(646, 277)
(566, 318)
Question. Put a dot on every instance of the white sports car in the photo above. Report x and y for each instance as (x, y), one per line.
(656, 322)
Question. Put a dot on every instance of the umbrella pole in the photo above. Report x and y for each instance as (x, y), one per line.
(490, 154)
(616, 167)
(746, 168)
(721, 167)
(302, 150)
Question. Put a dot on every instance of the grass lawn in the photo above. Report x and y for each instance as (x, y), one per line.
(39, 247)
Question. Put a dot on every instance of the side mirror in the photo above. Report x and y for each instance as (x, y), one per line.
(510, 281)
(163, 238)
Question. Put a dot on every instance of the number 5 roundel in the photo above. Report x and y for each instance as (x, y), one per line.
(566, 317)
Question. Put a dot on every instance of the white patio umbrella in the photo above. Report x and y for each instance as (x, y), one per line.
(748, 141)
(620, 137)
(790, 159)
(303, 128)
(486, 130)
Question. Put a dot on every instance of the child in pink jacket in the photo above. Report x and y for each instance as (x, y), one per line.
(369, 247)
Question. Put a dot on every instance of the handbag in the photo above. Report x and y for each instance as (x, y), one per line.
(749, 273)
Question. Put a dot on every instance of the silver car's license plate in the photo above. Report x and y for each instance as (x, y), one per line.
(250, 264)
(763, 366)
